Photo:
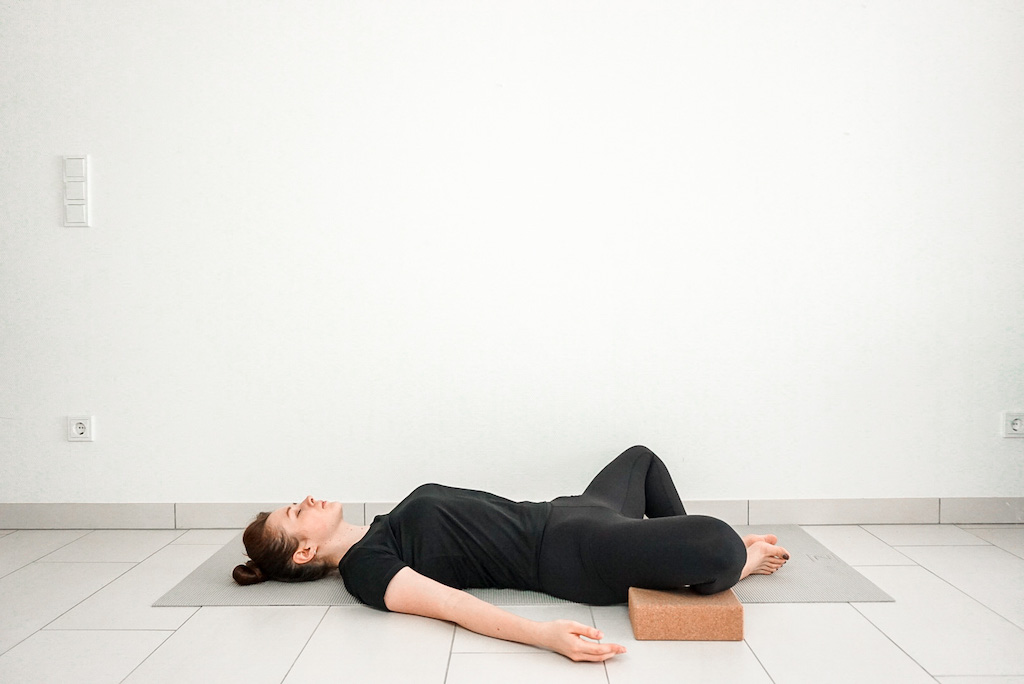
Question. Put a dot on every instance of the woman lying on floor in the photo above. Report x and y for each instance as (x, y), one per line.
(589, 549)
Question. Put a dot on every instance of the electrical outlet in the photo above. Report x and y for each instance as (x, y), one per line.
(81, 428)
(1013, 424)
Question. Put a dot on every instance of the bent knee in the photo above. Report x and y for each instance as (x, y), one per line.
(726, 553)
(637, 452)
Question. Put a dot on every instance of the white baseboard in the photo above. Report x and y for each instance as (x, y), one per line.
(844, 511)
(732, 512)
(86, 516)
(982, 510)
(979, 510)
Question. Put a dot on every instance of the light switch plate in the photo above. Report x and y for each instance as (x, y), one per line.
(75, 167)
(74, 190)
(76, 215)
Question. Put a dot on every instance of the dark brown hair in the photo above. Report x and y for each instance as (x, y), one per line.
(270, 553)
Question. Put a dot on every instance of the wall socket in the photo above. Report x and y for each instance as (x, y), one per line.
(81, 428)
(1013, 424)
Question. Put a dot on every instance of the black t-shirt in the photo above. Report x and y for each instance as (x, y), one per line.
(459, 537)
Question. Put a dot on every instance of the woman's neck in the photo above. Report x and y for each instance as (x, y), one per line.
(344, 538)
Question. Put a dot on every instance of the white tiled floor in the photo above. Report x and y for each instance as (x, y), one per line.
(75, 606)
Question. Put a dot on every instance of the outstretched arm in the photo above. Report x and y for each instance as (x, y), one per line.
(411, 592)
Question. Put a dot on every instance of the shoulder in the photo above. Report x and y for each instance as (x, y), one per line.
(368, 566)
(377, 546)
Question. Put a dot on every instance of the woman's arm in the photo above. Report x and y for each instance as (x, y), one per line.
(411, 592)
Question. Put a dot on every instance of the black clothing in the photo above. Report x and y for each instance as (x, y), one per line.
(589, 548)
(459, 537)
(598, 545)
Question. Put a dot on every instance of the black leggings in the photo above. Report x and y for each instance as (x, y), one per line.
(598, 545)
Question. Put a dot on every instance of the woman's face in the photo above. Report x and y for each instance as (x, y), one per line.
(311, 521)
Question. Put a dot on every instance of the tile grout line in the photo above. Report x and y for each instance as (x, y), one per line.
(134, 565)
(107, 584)
(451, 650)
(968, 596)
(891, 640)
(148, 655)
(593, 623)
(758, 659)
(912, 564)
(879, 629)
(298, 655)
(986, 541)
(84, 599)
(171, 635)
(110, 629)
(86, 533)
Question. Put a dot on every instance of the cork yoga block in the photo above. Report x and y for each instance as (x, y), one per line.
(683, 615)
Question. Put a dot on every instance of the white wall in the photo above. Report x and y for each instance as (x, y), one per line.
(348, 247)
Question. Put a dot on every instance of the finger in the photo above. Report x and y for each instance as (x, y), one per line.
(587, 631)
(600, 649)
(599, 652)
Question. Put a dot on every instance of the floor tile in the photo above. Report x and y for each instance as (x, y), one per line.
(959, 613)
(1007, 538)
(367, 645)
(722, 662)
(942, 628)
(82, 655)
(924, 535)
(516, 668)
(22, 547)
(35, 595)
(221, 537)
(988, 574)
(856, 546)
(471, 642)
(980, 680)
(825, 642)
(246, 644)
(127, 602)
(113, 546)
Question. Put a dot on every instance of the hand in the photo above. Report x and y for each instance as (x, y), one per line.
(567, 637)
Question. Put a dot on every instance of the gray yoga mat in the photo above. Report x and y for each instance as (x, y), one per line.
(813, 575)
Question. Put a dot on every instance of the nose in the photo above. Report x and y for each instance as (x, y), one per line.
(310, 501)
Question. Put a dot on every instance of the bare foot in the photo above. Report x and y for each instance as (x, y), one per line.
(763, 556)
(749, 540)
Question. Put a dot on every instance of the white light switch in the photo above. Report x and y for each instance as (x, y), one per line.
(74, 167)
(76, 190)
(75, 215)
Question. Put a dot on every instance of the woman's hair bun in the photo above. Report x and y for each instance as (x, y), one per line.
(249, 573)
